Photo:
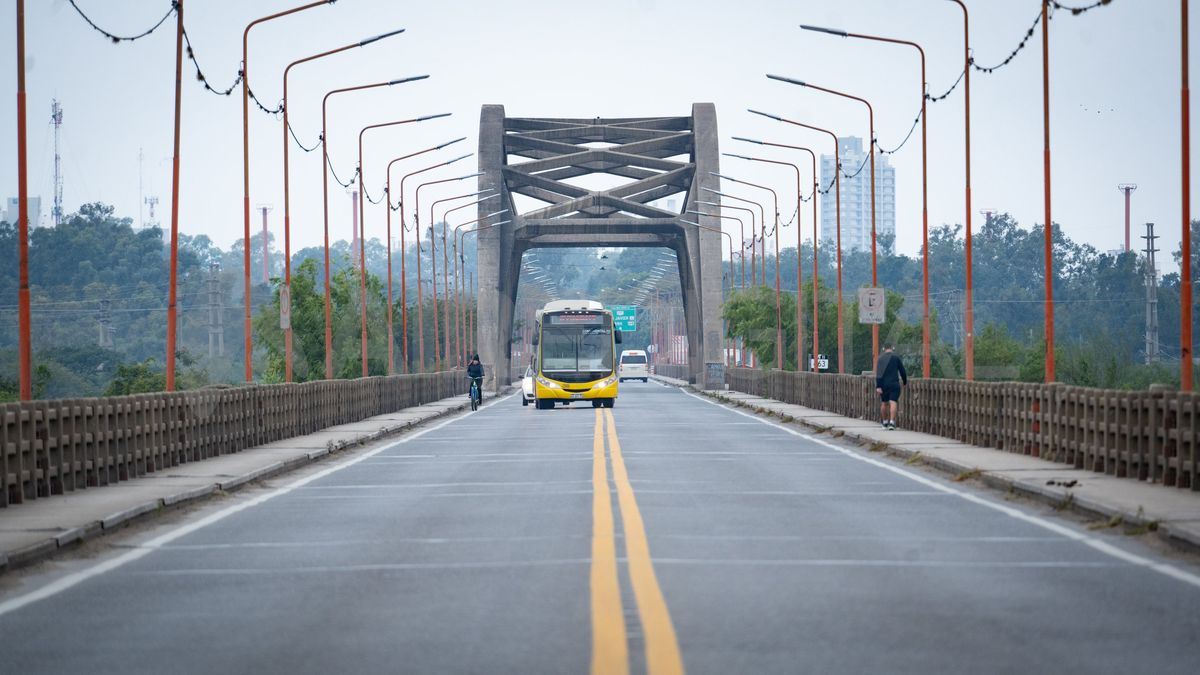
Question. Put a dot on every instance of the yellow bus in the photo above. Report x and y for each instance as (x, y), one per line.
(574, 354)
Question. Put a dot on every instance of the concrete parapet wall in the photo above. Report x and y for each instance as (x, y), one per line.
(1146, 435)
(676, 371)
(52, 447)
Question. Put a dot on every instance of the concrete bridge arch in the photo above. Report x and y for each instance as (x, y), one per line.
(656, 156)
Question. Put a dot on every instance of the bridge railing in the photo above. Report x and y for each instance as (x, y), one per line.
(677, 371)
(52, 447)
(1147, 435)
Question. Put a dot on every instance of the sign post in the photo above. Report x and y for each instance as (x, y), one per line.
(872, 305)
(624, 318)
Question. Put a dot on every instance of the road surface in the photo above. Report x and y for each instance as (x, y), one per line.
(718, 543)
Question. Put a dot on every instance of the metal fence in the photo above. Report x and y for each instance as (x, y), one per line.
(1148, 435)
(51, 447)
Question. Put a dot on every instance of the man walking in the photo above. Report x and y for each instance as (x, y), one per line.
(889, 377)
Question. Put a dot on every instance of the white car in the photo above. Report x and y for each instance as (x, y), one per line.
(527, 394)
(633, 366)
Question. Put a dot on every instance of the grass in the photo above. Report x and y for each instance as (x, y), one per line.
(968, 475)
(915, 458)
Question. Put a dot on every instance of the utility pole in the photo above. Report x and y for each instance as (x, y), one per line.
(141, 221)
(105, 321)
(1151, 295)
(1127, 188)
(216, 312)
(354, 225)
(266, 243)
(56, 118)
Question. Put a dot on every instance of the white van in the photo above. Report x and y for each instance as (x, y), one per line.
(633, 366)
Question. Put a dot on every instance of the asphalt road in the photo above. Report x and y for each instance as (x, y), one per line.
(719, 544)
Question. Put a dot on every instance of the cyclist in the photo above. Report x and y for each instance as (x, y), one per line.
(475, 372)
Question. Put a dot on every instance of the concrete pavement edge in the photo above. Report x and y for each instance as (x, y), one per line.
(75, 536)
(1057, 497)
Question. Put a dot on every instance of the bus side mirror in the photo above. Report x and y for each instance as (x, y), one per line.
(618, 337)
(535, 340)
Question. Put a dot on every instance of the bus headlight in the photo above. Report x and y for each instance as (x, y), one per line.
(548, 383)
(605, 383)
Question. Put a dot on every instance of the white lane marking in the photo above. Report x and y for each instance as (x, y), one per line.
(851, 562)
(1062, 530)
(852, 537)
(59, 585)
(440, 495)
(364, 542)
(480, 454)
(395, 486)
(794, 493)
(380, 567)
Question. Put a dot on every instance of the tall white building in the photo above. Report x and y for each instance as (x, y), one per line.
(856, 196)
(12, 212)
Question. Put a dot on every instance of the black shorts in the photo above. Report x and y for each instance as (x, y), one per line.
(891, 392)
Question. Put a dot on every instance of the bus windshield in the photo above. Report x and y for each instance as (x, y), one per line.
(577, 351)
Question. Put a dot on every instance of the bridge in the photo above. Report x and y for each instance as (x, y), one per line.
(659, 156)
(744, 511)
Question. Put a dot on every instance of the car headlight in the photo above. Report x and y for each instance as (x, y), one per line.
(548, 383)
(605, 383)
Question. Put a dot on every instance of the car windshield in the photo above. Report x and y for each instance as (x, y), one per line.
(577, 353)
(528, 371)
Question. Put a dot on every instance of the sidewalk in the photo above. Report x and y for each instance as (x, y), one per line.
(1174, 514)
(37, 529)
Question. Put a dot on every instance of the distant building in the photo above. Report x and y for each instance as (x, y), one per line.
(856, 196)
(12, 212)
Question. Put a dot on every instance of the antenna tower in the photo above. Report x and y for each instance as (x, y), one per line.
(1151, 295)
(1127, 188)
(56, 118)
(152, 201)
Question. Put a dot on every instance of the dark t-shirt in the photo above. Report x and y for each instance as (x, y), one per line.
(889, 371)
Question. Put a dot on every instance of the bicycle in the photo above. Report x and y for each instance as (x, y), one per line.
(476, 394)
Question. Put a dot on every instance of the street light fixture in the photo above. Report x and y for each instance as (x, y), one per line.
(837, 182)
(753, 237)
(391, 368)
(286, 295)
(417, 230)
(433, 261)
(403, 266)
(741, 227)
(775, 231)
(925, 338)
(871, 122)
(799, 272)
(248, 337)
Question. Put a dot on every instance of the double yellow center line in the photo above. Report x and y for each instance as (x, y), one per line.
(610, 651)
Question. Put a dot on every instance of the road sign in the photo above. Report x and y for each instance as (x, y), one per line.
(285, 308)
(625, 317)
(822, 362)
(872, 305)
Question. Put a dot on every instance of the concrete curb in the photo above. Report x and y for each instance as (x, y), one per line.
(1057, 497)
(48, 548)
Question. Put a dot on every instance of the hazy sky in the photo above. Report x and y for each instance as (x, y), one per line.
(1114, 101)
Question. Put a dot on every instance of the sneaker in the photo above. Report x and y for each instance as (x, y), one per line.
(885, 424)
(891, 426)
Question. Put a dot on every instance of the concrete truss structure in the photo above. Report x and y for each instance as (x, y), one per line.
(656, 157)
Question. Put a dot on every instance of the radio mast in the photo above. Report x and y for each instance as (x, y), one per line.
(56, 118)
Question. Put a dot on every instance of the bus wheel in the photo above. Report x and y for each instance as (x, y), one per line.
(609, 402)
(596, 403)
(544, 404)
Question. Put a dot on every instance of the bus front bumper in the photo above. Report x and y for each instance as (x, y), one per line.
(603, 389)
